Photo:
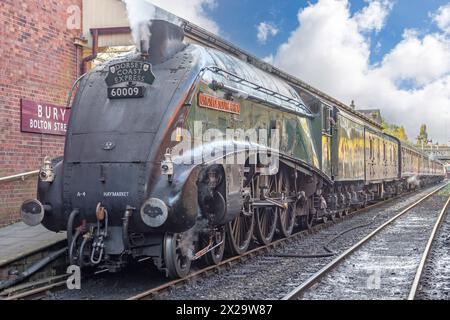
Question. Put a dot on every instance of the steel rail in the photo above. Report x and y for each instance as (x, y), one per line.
(31, 293)
(423, 260)
(151, 293)
(226, 264)
(316, 277)
(12, 291)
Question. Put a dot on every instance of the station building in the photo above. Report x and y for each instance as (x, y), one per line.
(44, 47)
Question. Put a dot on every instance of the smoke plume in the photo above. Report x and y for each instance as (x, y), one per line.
(191, 236)
(413, 180)
(140, 13)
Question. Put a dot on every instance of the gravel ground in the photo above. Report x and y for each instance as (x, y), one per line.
(384, 268)
(435, 283)
(114, 286)
(249, 280)
(271, 277)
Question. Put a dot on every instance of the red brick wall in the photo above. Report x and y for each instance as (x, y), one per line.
(39, 62)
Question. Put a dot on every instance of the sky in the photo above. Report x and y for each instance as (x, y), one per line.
(392, 55)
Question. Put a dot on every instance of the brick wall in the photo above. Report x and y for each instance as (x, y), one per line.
(39, 62)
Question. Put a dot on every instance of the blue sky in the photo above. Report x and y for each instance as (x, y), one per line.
(237, 20)
(392, 55)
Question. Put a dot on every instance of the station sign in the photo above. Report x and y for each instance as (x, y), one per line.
(41, 117)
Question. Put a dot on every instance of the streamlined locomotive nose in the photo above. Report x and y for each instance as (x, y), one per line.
(32, 212)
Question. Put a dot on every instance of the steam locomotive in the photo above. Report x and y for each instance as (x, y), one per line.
(180, 152)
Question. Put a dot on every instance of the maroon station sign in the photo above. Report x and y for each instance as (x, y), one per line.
(46, 118)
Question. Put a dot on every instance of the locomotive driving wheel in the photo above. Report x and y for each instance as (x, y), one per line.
(240, 230)
(286, 219)
(306, 218)
(215, 256)
(176, 257)
(266, 218)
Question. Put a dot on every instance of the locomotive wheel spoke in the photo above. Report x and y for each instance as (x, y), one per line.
(215, 256)
(239, 231)
(176, 260)
(286, 219)
(266, 218)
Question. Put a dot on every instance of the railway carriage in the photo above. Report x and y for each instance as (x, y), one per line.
(417, 168)
(180, 152)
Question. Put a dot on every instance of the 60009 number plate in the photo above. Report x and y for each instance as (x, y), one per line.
(125, 92)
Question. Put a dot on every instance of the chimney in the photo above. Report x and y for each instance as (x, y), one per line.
(162, 40)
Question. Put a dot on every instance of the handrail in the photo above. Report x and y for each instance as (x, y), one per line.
(19, 176)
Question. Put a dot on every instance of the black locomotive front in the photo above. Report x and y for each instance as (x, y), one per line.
(116, 188)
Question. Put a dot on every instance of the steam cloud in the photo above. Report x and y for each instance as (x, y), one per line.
(140, 12)
(191, 236)
(413, 180)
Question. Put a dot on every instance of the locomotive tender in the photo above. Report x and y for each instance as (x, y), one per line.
(180, 152)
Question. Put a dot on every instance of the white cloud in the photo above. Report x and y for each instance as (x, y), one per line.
(420, 60)
(191, 10)
(373, 17)
(266, 29)
(442, 18)
(330, 49)
(268, 59)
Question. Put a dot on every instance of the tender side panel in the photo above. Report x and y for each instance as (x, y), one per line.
(350, 144)
(381, 156)
(390, 160)
(412, 162)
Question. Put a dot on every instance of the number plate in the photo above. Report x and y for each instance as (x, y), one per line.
(125, 92)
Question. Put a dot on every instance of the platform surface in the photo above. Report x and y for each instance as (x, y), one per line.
(18, 240)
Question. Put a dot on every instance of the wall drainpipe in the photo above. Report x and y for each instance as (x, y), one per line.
(96, 32)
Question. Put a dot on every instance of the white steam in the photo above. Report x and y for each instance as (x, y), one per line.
(191, 237)
(140, 12)
(413, 180)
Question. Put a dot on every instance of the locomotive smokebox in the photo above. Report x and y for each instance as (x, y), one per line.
(163, 40)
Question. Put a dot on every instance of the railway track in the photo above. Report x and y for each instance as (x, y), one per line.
(431, 280)
(335, 274)
(227, 264)
(154, 292)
